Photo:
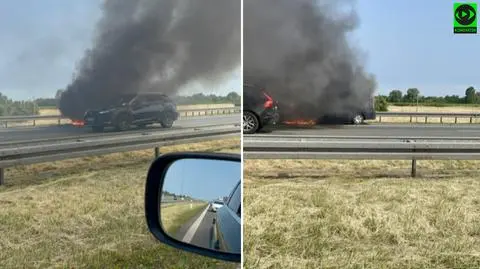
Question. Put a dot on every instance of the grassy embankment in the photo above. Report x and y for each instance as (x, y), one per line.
(88, 213)
(361, 214)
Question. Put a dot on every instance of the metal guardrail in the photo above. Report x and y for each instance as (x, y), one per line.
(183, 113)
(55, 151)
(426, 115)
(360, 149)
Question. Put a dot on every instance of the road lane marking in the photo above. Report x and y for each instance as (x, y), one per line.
(193, 229)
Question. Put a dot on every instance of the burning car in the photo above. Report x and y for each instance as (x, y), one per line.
(259, 109)
(349, 116)
(140, 109)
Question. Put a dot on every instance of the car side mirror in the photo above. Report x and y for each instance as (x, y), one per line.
(182, 196)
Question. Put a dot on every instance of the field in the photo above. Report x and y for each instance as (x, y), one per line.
(88, 213)
(361, 214)
(446, 109)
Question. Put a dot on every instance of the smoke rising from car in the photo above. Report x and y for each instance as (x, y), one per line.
(152, 45)
(299, 51)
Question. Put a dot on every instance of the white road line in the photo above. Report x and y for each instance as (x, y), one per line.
(193, 229)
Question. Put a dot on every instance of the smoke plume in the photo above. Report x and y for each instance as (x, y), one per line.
(299, 51)
(155, 45)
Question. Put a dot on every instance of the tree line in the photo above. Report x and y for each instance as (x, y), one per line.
(413, 97)
(8, 107)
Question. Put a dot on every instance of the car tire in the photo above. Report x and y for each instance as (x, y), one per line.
(250, 123)
(358, 119)
(98, 128)
(167, 121)
(122, 123)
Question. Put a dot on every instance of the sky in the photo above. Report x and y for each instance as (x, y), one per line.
(42, 42)
(202, 179)
(408, 43)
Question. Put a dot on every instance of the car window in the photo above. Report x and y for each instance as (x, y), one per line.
(235, 200)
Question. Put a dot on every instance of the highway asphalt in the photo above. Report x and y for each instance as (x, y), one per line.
(48, 132)
(197, 231)
(398, 130)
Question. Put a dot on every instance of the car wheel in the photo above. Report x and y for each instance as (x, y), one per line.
(98, 128)
(357, 119)
(123, 123)
(250, 123)
(167, 121)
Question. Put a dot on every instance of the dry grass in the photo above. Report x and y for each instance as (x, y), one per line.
(49, 111)
(89, 213)
(361, 214)
(447, 109)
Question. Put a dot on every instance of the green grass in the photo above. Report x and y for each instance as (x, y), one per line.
(174, 217)
(361, 214)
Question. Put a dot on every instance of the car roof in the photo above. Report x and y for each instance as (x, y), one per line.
(144, 93)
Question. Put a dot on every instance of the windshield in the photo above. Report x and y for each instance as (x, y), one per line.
(124, 99)
(218, 203)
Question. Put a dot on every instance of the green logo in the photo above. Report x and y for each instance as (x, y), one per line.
(465, 18)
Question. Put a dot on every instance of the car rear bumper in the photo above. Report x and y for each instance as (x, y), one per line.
(270, 117)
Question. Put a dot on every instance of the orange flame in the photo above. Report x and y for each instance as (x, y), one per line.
(300, 122)
(78, 123)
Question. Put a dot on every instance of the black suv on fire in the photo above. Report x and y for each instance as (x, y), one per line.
(353, 116)
(259, 109)
(138, 109)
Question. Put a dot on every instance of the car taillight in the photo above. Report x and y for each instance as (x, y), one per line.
(269, 102)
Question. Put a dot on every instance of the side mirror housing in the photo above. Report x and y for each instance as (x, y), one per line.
(185, 206)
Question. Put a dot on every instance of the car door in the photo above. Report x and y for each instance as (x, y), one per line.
(155, 107)
(139, 108)
(228, 222)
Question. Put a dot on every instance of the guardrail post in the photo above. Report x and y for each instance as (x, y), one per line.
(2, 176)
(414, 168)
(441, 119)
(471, 120)
(34, 123)
(6, 124)
(426, 119)
(59, 120)
(411, 119)
(380, 119)
(157, 152)
(455, 120)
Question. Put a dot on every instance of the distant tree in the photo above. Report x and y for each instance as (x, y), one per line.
(395, 96)
(470, 95)
(381, 103)
(412, 95)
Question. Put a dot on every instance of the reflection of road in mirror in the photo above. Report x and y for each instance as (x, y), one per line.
(197, 230)
(193, 195)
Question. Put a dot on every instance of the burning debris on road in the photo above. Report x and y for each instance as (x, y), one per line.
(299, 51)
(151, 45)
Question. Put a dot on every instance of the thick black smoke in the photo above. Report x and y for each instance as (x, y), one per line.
(299, 51)
(155, 45)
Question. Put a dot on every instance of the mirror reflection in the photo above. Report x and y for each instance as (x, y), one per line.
(201, 201)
